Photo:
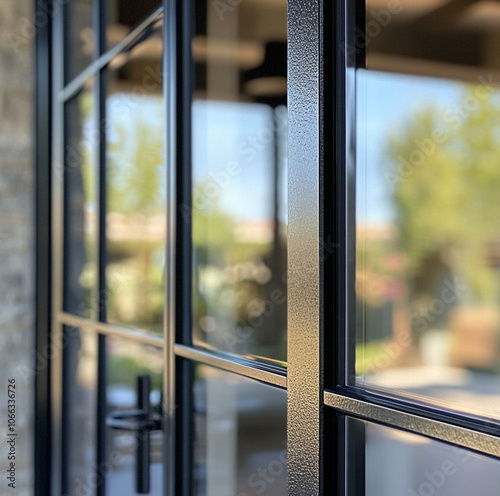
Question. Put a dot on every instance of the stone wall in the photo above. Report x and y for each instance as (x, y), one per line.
(16, 235)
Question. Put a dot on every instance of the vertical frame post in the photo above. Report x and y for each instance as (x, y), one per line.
(181, 123)
(305, 281)
(99, 19)
(56, 206)
(171, 319)
(43, 192)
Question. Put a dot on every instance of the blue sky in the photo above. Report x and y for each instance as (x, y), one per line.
(242, 133)
(228, 132)
(386, 102)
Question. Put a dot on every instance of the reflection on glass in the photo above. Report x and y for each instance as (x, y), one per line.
(239, 177)
(427, 204)
(125, 362)
(80, 391)
(418, 466)
(240, 436)
(79, 34)
(136, 188)
(79, 177)
(122, 16)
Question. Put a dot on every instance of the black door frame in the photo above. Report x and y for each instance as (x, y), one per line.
(43, 257)
(320, 241)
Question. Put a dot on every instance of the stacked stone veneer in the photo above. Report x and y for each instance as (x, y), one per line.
(16, 234)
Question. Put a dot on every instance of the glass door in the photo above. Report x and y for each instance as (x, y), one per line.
(109, 246)
(229, 349)
(169, 248)
(274, 248)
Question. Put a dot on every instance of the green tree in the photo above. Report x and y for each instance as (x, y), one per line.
(445, 169)
(135, 169)
(136, 189)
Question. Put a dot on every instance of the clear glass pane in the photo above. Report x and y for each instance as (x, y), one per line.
(123, 15)
(239, 178)
(396, 463)
(80, 36)
(80, 395)
(125, 362)
(240, 436)
(135, 169)
(79, 172)
(427, 231)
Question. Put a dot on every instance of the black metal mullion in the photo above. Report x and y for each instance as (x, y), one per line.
(354, 447)
(100, 123)
(406, 406)
(470, 438)
(58, 413)
(43, 271)
(337, 252)
(110, 329)
(185, 87)
(100, 27)
(65, 423)
(184, 427)
(331, 254)
(99, 23)
(267, 374)
(181, 101)
(171, 316)
(305, 278)
(101, 61)
(342, 270)
(101, 364)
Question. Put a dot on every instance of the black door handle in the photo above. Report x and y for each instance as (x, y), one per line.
(142, 421)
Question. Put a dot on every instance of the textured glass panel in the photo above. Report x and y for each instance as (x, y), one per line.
(239, 178)
(240, 436)
(427, 204)
(396, 463)
(135, 217)
(123, 15)
(79, 171)
(80, 36)
(80, 395)
(125, 362)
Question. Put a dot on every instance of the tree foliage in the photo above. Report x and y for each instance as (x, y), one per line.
(445, 170)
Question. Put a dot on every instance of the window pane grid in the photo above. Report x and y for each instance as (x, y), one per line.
(419, 465)
(428, 417)
(424, 316)
(444, 431)
(238, 365)
(73, 86)
(111, 329)
(266, 373)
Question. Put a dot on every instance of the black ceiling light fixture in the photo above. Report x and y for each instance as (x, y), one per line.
(267, 82)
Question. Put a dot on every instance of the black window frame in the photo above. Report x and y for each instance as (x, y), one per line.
(320, 196)
(342, 397)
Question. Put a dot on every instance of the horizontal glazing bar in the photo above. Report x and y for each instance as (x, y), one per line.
(109, 329)
(238, 366)
(74, 86)
(467, 438)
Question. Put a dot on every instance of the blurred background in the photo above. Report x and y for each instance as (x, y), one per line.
(427, 203)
